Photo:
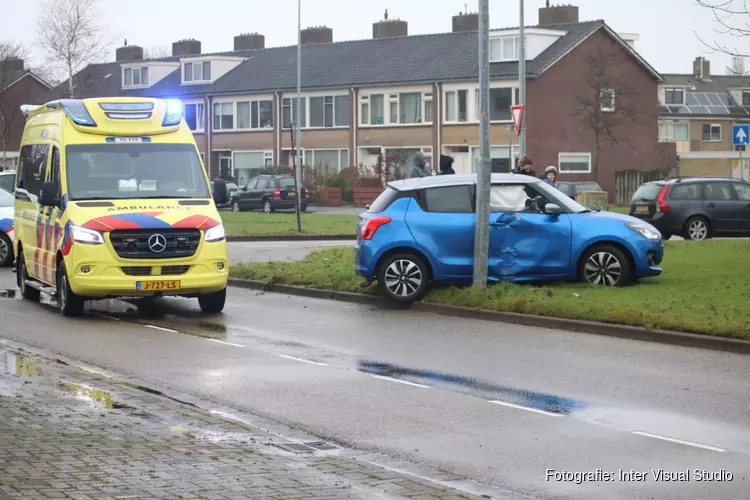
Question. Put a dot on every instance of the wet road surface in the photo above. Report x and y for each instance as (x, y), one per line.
(498, 403)
(264, 251)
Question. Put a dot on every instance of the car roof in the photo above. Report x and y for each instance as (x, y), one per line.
(457, 180)
(680, 180)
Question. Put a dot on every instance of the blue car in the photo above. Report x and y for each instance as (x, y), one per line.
(421, 231)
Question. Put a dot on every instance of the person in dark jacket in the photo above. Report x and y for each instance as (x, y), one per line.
(446, 165)
(420, 167)
(526, 167)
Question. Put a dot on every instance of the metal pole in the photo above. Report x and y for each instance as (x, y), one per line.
(298, 125)
(522, 82)
(484, 171)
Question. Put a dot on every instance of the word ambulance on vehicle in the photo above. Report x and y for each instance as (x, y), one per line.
(112, 200)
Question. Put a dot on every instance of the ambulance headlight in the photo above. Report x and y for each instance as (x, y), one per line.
(216, 233)
(87, 236)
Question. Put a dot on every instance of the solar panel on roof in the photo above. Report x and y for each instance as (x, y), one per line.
(717, 110)
(698, 110)
(664, 110)
(702, 99)
(724, 98)
(690, 99)
(679, 110)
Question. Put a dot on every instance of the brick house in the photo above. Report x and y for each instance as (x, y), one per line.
(17, 86)
(392, 95)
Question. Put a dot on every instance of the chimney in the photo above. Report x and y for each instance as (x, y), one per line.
(558, 14)
(187, 47)
(12, 64)
(317, 34)
(702, 68)
(249, 41)
(129, 53)
(465, 21)
(390, 28)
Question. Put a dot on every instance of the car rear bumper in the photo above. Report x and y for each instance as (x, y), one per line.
(287, 204)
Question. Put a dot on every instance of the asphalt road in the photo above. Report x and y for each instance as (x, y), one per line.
(265, 251)
(562, 401)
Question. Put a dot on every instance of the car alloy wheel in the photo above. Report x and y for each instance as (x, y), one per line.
(603, 268)
(697, 229)
(403, 278)
(4, 250)
(236, 206)
(267, 207)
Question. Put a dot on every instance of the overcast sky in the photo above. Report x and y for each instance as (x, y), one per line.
(666, 27)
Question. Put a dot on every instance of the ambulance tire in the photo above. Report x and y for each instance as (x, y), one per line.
(213, 303)
(69, 303)
(22, 275)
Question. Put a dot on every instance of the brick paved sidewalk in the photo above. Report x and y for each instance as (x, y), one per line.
(67, 433)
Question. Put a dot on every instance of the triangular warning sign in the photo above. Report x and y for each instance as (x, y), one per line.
(517, 113)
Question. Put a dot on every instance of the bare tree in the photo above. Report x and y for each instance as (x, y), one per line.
(9, 112)
(732, 19)
(71, 33)
(156, 52)
(605, 102)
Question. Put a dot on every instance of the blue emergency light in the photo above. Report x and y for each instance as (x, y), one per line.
(77, 112)
(173, 113)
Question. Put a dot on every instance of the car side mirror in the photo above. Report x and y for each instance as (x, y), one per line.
(552, 209)
(244, 188)
(367, 207)
(220, 191)
(48, 196)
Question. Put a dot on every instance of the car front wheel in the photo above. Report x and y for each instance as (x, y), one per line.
(403, 278)
(605, 265)
(68, 302)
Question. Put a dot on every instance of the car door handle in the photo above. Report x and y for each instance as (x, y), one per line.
(710, 205)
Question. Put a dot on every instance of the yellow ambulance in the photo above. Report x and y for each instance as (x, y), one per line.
(112, 200)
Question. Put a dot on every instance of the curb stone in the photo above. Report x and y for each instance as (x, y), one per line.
(684, 339)
(294, 237)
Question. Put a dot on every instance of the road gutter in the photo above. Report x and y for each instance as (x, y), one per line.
(695, 340)
(294, 237)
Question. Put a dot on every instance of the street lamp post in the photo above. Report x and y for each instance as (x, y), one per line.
(522, 81)
(297, 124)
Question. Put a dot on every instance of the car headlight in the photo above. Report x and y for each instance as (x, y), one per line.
(88, 236)
(645, 231)
(216, 233)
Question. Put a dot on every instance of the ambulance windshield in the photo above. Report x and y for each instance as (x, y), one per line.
(138, 170)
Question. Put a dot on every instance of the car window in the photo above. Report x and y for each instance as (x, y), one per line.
(743, 191)
(685, 192)
(252, 184)
(32, 167)
(287, 182)
(383, 201)
(6, 198)
(448, 199)
(647, 192)
(564, 188)
(508, 198)
(7, 182)
(719, 191)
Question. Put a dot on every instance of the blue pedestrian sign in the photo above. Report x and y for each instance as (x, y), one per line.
(740, 135)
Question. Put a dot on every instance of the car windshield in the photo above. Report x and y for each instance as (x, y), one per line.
(131, 171)
(647, 192)
(588, 186)
(565, 188)
(6, 198)
(555, 196)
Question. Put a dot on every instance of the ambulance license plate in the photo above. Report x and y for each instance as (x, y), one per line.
(156, 286)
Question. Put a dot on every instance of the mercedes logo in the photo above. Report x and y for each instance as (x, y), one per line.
(157, 243)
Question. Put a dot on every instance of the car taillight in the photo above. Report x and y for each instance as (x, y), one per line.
(307, 193)
(372, 225)
(661, 202)
(277, 193)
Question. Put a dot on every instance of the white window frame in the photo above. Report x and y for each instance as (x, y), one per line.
(132, 70)
(742, 97)
(501, 43)
(324, 96)
(711, 129)
(469, 115)
(680, 89)
(213, 114)
(306, 151)
(250, 102)
(604, 96)
(193, 65)
(293, 109)
(515, 151)
(670, 134)
(513, 101)
(392, 100)
(561, 159)
(200, 116)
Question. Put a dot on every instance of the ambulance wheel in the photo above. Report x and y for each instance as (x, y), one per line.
(6, 250)
(69, 303)
(213, 303)
(22, 276)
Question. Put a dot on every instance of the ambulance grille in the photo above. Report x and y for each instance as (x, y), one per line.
(175, 243)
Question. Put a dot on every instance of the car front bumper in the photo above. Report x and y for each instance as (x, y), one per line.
(647, 258)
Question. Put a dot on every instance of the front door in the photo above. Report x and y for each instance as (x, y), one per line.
(225, 166)
(244, 196)
(50, 224)
(32, 171)
(524, 243)
(723, 207)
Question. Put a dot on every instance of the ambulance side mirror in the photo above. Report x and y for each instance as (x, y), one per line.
(220, 191)
(48, 196)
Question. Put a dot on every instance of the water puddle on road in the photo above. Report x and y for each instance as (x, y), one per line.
(95, 396)
(20, 365)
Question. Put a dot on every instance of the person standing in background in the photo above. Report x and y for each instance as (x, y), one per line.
(446, 165)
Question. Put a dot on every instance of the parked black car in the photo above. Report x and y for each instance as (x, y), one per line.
(695, 208)
(573, 188)
(269, 193)
(232, 190)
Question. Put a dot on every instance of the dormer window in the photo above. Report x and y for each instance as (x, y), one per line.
(506, 48)
(674, 96)
(746, 97)
(197, 71)
(135, 77)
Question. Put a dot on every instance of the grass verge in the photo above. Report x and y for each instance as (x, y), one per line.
(702, 290)
(278, 224)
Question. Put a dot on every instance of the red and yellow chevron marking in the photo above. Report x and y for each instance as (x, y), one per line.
(150, 220)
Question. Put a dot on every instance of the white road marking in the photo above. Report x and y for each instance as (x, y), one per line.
(225, 343)
(401, 381)
(105, 316)
(680, 441)
(161, 328)
(303, 360)
(526, 408)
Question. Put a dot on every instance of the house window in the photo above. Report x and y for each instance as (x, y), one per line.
(711, 132)
(197, 71)
(670, 131)
(289, 112)
(674, 97)
(746, 97)
(427, 105)
(500, 102)
(254, 115)
(400, 161)
(332, 161)
(135, 77)
(607, 100)
(404, 108)
(195, 116)
(507, 48)
(329, 111)
(371, 109)
(223, 116)
(574, 162)
(457, 106)
(501, 158)
(249, 164)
